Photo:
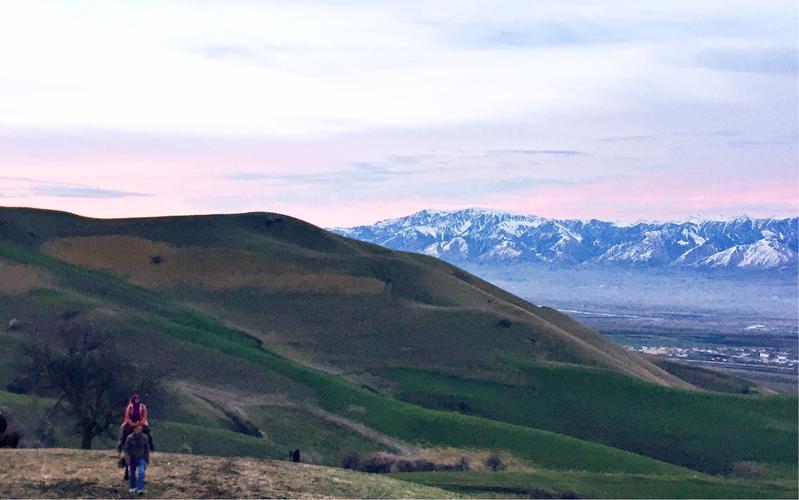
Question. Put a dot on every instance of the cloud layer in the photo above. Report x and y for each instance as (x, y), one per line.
(345, 112)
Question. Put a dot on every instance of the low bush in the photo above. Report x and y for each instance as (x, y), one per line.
(384, 463)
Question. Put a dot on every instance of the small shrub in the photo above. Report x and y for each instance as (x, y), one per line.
(271, 221)
(494, 462)
(351, 461)
(748, 470)
(505, 323)
(377, 463)
(419, 465)
(383, 463)
(69, 315)
(462, 464)
(20, 385)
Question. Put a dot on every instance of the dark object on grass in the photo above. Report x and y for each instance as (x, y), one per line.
(494, 462)
(9, 440)
(505, 323)
(20, 385)
(351, 461)
(272, 221)
(295, 456)
(14, 325)
(156, 259)
(69, 315)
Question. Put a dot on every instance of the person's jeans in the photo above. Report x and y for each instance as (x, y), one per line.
(137, 474)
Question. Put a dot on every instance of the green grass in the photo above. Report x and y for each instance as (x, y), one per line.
(413, 423)
(169, 436)
(502, 421)
(710, 380)
(198, 440)
(320, 441)
(700, 430)
(594, 485)
(11, 348)
(387, 415)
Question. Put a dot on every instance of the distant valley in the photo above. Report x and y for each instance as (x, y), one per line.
(706, 291)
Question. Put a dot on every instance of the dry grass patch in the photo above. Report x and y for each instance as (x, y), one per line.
(19, 278)
(477, 458)
(59, 473)
(159, 265)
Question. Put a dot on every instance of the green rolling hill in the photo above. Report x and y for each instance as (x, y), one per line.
(337, 346)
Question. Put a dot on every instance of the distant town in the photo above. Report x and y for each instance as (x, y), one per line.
(762, 358)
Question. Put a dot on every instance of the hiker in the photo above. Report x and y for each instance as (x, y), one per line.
(135, 414)
(137, 451)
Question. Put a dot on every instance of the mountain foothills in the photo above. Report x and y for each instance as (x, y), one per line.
(487, 236)
(273, 334)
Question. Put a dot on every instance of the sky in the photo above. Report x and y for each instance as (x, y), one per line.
(343, 113)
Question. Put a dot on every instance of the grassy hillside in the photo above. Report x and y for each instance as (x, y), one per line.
(309, 337)
(58, 473)
(313, 296)
(540, 483)
(701, 430)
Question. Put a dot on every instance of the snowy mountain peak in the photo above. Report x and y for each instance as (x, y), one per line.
(492, 236)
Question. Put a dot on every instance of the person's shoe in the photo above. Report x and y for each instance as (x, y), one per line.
(132, 490)
(141, 492)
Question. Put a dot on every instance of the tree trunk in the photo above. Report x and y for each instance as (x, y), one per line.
(86, 439)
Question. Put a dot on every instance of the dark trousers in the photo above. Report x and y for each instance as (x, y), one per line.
(127, 431)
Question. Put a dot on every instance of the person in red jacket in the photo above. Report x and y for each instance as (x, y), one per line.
(135, 415)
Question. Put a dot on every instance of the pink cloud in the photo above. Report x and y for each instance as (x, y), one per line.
(652, 196)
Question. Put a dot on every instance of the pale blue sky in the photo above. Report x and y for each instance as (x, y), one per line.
(348, 112)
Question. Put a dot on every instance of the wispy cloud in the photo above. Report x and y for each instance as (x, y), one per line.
(21, 186)
(536, 152)
(648, 137)
(767, 60)
(69, 191)
(225, 52)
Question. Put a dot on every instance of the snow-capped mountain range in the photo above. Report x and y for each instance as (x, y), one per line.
(493, 237)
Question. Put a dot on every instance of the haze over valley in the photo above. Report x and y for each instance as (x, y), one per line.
(713, 291)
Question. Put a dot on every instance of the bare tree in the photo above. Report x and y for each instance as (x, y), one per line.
(90, 379)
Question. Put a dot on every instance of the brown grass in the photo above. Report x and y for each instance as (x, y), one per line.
(206, 268)
(477, 458)
(59, 473)
(19, 278)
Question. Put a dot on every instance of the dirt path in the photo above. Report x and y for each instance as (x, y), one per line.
(236, 402)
